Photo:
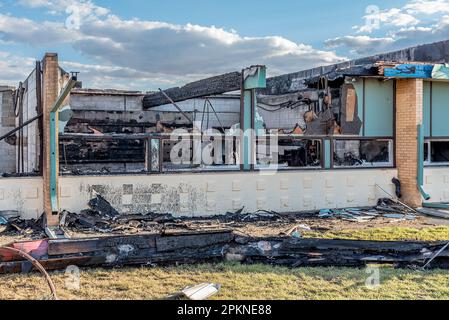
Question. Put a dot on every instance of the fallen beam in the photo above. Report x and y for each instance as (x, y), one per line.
(219, 246)
(207, 87)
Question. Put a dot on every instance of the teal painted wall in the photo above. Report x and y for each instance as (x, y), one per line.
(379, 108)
(440, 109)
(426, 109)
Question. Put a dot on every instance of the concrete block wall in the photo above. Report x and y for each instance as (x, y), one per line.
(24, 195)
(217, 193)
(436, 184)
(409, 114)
(7, 151)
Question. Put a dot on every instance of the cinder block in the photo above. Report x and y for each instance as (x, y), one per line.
(350, 181)
(183, 197)
(307, 201)
(2, 194)
(65, 192)
(211, 186)
(350, 197)
(31, 193)
(237, 204)
(329, 183)
(308, 183)
(285, 202)
(329, 199)
(156, 198)
(127, 199)
(128, 189)
(211, 205)
(285, 184)
(261, 185)
(261, 204)
(236, 185)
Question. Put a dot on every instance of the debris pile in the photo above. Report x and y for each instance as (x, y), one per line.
(220, 246)
(103, 218)
(12, 224)
(386, 208)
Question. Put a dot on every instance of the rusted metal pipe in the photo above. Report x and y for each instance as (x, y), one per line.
(37, 265)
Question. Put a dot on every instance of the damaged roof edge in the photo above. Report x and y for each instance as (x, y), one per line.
(437, 52)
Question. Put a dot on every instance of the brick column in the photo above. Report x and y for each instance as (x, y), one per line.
(50, 94)
(409, 114)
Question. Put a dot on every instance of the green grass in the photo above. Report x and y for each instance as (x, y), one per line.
(386, 234)
(238, 282)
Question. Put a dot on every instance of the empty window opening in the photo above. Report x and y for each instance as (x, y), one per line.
(436, 152)
(363, 153)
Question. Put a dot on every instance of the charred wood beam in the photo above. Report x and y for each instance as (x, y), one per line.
(218, 246)
(207, 87)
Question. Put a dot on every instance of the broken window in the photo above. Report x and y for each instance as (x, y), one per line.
(201, 153)
(363, 153)
(436, 152)
(284, 152)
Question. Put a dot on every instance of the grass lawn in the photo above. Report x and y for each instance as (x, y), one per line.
(250, 282)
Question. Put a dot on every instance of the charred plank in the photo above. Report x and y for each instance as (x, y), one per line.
(207, 87)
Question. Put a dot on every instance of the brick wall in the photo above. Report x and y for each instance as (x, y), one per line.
(50, 94)
(409, 113)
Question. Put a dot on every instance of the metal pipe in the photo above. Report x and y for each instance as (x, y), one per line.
(177, 107)
(37, 265)
(20, 127)
(424, 194)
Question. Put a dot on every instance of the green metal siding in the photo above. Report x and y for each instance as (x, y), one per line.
(440, 109)
(327, 153)
(426, 109)
(379, 108)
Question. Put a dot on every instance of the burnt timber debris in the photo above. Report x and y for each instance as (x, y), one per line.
(207, 87)
(220, 246)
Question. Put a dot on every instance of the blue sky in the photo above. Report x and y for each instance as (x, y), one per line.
(142, 45)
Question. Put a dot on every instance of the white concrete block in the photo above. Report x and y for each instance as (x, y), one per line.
(308, 183)
(261, 204)
(350, 181)
(237, 204)
(285, 184)
(261, 185)
(285, 202)
(236, 185)
(65, 192)
(127, 199)
(31, 193)
(156, 198)
(211, 186)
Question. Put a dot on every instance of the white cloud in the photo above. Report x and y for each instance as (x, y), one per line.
(361, 44)
(22, 30)
(402, 28)
(391, 17)
(427, 7)
(14, 68)
(154, 52)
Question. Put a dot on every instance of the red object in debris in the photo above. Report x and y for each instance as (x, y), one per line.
(37, 249)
